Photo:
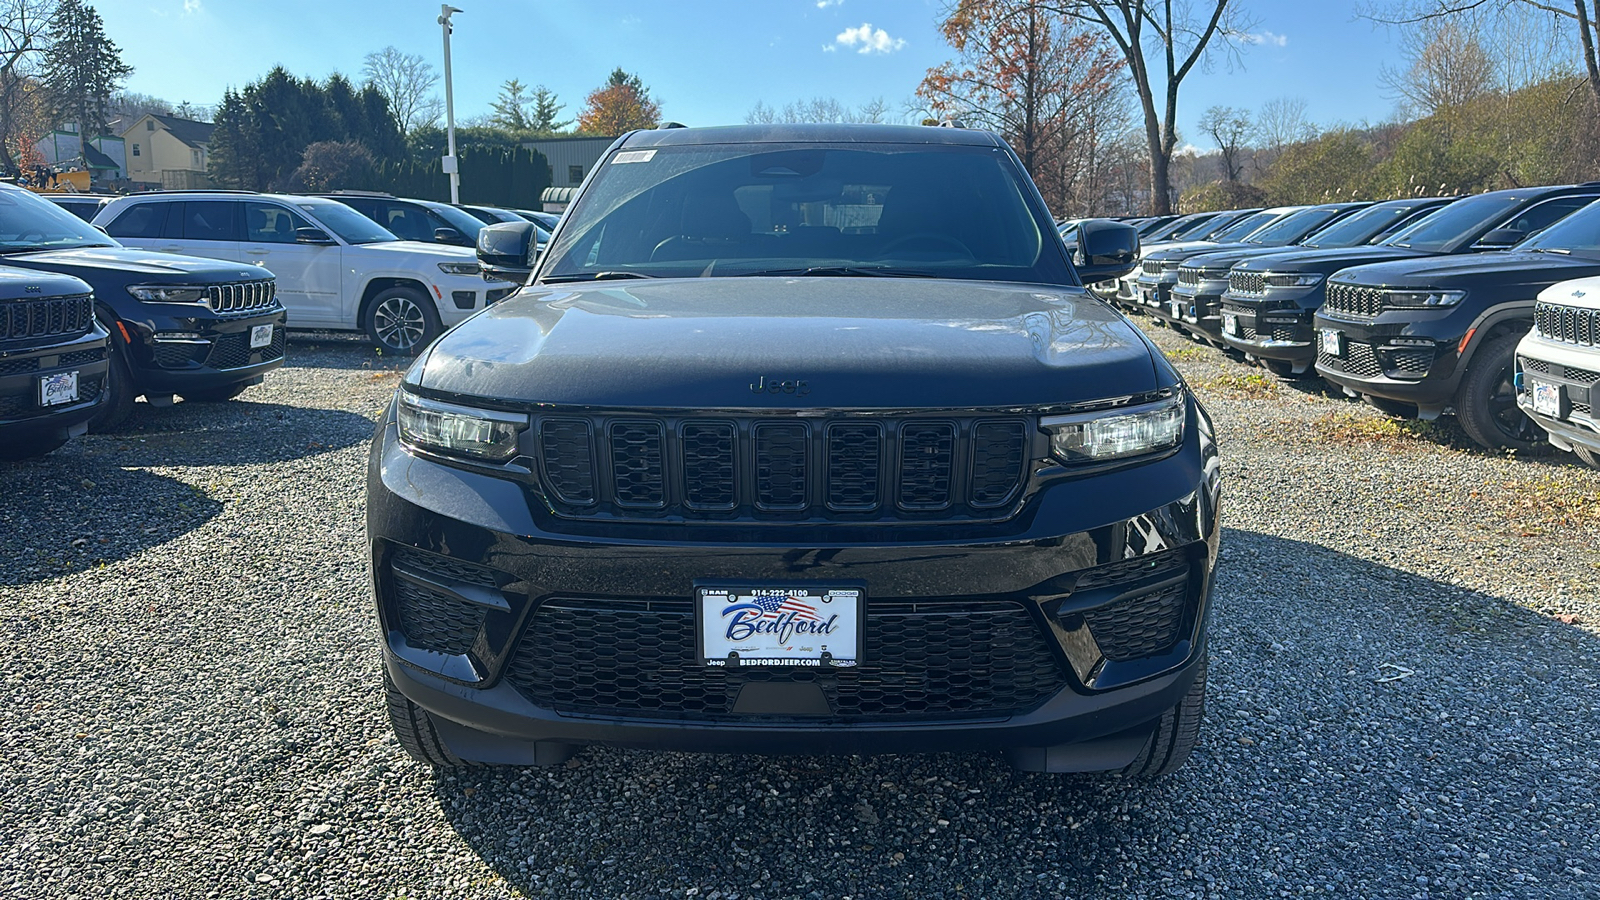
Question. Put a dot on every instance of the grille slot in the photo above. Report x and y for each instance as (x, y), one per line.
(568, 460)
(241, 297)
(921, 661)
(1150, 267)
(637, 479)
(46, 317)
(854, 463)
(1351, 301)
(781, 466)
(1567, 324)
(1247, 283)
(709, 449)
(926, 454)
(999, 450)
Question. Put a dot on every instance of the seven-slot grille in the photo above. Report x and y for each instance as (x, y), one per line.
(1188, 276)
(1568, 324)
(46, 317)
(241, 297)
(1150, 267)
(702, 467)
(1351, 300)
(1247, 282)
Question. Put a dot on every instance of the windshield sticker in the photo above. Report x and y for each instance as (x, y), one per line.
(633, 156)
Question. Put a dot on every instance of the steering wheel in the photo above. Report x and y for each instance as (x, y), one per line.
(26, 235)
(926, 237)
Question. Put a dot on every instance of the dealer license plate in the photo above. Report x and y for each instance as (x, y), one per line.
(59, 388)
(260, 336)
(1332, 342)
(1547, 399)
(1230, 324)
(1177, 309)
(1147, 296)
(780, 625)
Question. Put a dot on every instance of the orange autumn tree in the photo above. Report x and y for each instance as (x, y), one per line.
(1053, 89)
(621, 104)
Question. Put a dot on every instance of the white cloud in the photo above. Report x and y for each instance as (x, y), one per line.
(867, 39)
(824, 4)
(190, 7)
(1266, 37)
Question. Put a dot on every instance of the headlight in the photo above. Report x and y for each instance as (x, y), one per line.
(161, 293)
(1423, 298)
(459, 430)
(1291, 280)
(1117, 433)
(459, 268)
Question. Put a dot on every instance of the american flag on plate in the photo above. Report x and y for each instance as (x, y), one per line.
(774, 605)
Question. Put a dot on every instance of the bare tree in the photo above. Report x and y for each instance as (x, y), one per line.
(406, 80)
(1228, 127)
(1163, 41)
(1281, 122)
(24, 38)
(818, 109)
(1445, 65)
(1578, 15)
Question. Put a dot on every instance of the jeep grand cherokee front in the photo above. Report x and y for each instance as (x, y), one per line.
(802, 439)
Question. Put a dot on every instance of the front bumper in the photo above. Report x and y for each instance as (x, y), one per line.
(172, 348)
(1407, 356)
(1269, 330)
(1576, 375)
(1198, 309)
(1155, 293)
(588, 638)
(22, 418)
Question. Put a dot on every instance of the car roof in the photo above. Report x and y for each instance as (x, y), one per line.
(810, 133)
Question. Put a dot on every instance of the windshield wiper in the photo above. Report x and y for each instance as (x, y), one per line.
(841, 272)
(1561, 250)
(593, 276)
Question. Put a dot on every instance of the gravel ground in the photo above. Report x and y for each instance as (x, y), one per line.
(1403, 693)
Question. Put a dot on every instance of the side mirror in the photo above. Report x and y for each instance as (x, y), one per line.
(1107, 250)
(450, 236)
(507, 251)
(1501, 238)
(311, 236)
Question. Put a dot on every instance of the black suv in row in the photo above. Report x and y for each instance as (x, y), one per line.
(52, 361)
(197, 328)
(801, 439)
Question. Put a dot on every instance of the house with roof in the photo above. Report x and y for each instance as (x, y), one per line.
(169, 151)
(64, 150)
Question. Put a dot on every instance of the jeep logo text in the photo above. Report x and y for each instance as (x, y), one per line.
(763, 386)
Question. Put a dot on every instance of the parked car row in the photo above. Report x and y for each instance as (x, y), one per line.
(188, 294)
(1417, 306)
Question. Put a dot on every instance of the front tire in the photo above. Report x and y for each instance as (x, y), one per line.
(1590, 458)
(119, 392)
(1487, 403)
(401, 320)
(415, 730)
(1175, 735)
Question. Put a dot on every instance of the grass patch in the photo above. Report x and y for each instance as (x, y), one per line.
(1194, 351)
(1349, 428)
(1546, 502)
(1239, 386)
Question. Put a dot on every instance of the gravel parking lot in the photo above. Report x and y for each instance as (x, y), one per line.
(1403, 696)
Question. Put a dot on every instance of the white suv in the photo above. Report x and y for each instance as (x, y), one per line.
(1558, 367)
(335, 267)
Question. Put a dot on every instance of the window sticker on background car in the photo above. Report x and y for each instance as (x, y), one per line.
(633, 156)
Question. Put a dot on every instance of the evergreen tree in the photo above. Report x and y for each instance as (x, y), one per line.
(82, 68)
(545, 109)
(511, 107)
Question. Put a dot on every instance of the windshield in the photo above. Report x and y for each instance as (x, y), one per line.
(352, 227)
(1359, 227)
(1577, 234)
(1186, 228)
(459, 219)
(1454, 224)
(1294, 226)
(1245, 227)
(808, 209)
(30, 222)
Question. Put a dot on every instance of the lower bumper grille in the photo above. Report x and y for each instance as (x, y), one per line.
(25, 406)
(232, 351)
(943, 660)
(1358, 359)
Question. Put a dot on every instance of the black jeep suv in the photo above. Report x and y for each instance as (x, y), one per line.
(179, 325)
(52, 361)
(800, 439)
(1422, 337)
(1270, 299)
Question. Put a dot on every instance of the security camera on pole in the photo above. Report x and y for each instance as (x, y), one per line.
(451, 167)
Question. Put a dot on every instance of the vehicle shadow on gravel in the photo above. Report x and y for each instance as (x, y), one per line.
(67, 513)
(1370, 732)
(236, 433)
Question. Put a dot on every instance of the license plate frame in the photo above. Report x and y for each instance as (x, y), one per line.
(1177, 308)
(58, 388)
(1333, 342)
(1230, 324)
(261, 336)
(1547, 399)
(732, 629)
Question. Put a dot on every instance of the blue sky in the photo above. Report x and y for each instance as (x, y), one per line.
(707, 61)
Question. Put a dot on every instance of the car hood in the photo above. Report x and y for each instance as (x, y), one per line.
(1229, 258)
(1326, 261)
(1478, 271)
(825, 342)
(176, 269)
(441, 252)
(27, 284)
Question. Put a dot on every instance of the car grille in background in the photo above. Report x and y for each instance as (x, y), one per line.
(1189, 276)
(1567, 324)
(1247, 282)
(46, 317)
(1581, 376)
(1150, 267)
(241, 297)
(649, 467)
(1358, 359)
(1349, 300)
(920, 661)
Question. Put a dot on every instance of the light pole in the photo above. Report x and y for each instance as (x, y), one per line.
(451, 167)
